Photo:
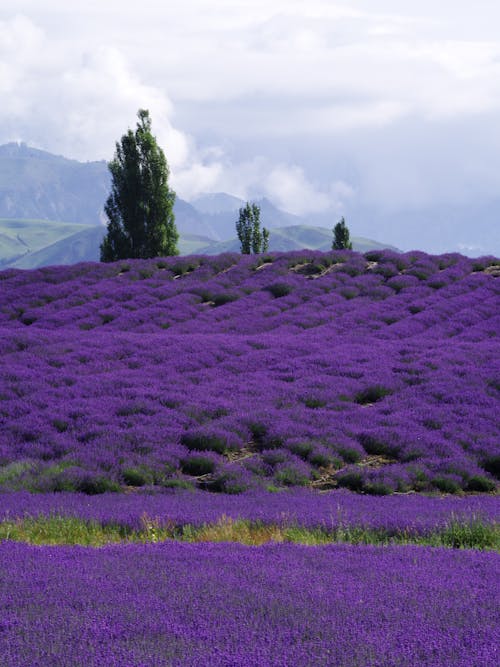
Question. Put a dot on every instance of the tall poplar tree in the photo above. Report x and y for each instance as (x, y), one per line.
(252, 238)
(140, 206)
(341, 237)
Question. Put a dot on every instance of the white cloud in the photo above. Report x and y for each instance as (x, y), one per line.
(198, 178)
(246, 94)
(286, 185)
(76, 102)
(86, 98)
(290, 189)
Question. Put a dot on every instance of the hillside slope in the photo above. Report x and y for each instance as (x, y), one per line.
(35, 184)
(296, 237)
(373, 372)
(21, 240)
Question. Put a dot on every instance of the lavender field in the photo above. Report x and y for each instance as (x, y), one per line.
(378, 373)
(307, 391)
(412, 514)
(230, 605)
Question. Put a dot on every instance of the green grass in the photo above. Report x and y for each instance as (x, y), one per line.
(60, 530)
(190, 244)
(54, 529)
(20, 237)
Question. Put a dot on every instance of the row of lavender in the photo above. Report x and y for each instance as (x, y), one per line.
(414, 513)
(379, 373)
(148, 296)
(229, 605)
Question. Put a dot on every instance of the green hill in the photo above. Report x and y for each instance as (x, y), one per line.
(20, 239)
(80, 247)
(296, 237)
(29, 244)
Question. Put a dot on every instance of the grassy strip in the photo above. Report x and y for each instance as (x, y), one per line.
(50, 530)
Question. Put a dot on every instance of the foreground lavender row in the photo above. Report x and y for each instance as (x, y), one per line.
(229, 605)
(379, 373)
(412, 513)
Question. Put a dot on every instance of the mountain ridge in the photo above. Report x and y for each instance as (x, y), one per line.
(51, 212)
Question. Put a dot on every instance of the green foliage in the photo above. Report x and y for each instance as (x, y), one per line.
(223, 298)
(65, 477)
(378, 489)
(258, 431)
(11, 475)
(352, 480)
(60, 530)
(94, 485)
(349, 455)
(378, 446)
(341, 237)
(290, 476)
(311, 269)
(137, 476)
(204, 442)
(458, 533)
(302, 449)
(176, 483)
(273, 457)
(322, 460)
(197, 465)
(492, 465)
(252, 238)
(371, 394)
(481, 484)
(374, 255)
(472, 534)
(279, 289)
(140, 206)
(446, 484)
(265, 239)
(225, 482)
(314, 402)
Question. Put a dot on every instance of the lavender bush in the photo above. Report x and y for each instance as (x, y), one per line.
(377, 373)
(230, 605)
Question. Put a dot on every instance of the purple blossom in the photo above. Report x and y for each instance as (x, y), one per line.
(226, 604)
(139, 364)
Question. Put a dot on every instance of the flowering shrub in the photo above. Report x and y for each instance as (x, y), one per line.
(339, 366)
(227, 604)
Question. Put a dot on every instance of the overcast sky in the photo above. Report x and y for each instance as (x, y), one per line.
(394, 103)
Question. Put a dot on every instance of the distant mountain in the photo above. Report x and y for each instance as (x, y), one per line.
(35, 184)
(217, 202)
(295, 237)
(471, 229)
(191, 221)
(222, 223)
(51, 212)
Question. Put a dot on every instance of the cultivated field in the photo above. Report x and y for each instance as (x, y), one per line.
(341, 401)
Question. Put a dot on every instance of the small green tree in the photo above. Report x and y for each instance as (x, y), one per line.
(341, 239)
(140, 206)
(250, 235)
(265, 239)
